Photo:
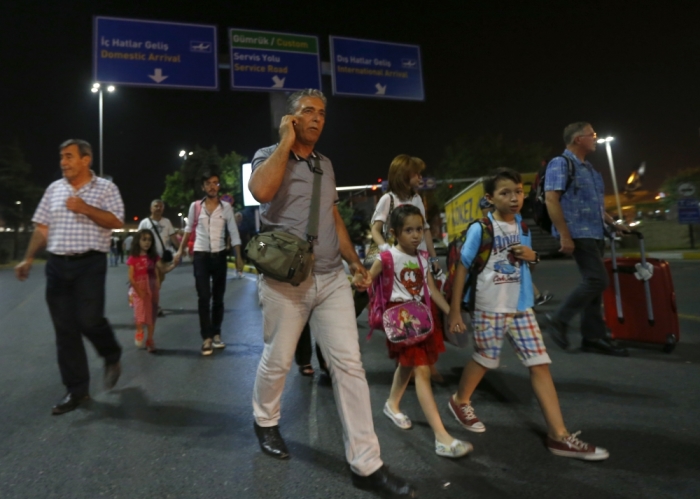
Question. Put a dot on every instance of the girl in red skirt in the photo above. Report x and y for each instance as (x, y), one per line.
(410, 273)
(144, 267)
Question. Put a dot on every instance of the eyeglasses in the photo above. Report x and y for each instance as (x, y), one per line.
(211, 184)
(594, 135)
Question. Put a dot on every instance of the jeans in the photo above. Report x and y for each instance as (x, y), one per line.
(210, 279)
(587, 298)
(113, 257)
(325, 301)
(75, 294)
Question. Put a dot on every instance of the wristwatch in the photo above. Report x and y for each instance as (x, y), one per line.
(433, 259)
(537, 258)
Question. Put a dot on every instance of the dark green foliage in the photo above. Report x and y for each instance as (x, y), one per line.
(184, 186)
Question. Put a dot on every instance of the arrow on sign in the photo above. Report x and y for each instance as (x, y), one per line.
(279, 82)
(157, 75)
(381, 90)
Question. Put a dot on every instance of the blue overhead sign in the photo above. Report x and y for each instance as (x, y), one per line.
(267, 60)
(376, 69)
(155, 54)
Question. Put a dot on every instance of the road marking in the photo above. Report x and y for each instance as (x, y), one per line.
(313, 416)
(689, 317)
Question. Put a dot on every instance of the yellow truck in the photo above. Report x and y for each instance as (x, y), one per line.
(463, 209)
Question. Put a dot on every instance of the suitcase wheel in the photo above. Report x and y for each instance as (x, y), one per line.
(670, 343)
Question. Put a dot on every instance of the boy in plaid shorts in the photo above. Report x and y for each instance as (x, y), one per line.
(501, 306)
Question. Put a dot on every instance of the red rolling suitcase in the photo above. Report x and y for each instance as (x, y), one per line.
(641, 310)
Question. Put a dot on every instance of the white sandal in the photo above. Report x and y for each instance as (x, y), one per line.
(398, 418)
(457, 448)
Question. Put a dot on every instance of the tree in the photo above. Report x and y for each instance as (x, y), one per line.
(670, 186)
(18, 193)
(477, 157)
(355, 221)
(184, 186)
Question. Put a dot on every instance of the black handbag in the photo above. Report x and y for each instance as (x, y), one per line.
(167, 254)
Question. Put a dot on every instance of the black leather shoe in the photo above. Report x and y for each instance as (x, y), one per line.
(271, 441)
(384, 483)
(602, 345)
(557, 331)
(68, 403)
(112, 373)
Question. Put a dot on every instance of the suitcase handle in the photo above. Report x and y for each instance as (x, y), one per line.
(617, 270)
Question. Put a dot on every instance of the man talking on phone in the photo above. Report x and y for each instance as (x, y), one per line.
(282, 182)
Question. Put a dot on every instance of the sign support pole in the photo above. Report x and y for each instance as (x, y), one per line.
(101, 141)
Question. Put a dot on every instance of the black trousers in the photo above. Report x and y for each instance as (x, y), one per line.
(210, 278)
(587, 298)
(75, 293)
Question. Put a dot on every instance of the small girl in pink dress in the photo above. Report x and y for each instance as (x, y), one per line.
(144, 267)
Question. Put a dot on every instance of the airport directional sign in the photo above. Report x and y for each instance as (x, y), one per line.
(271, 61)
(376, 69)
(155, 53)
(688, 211)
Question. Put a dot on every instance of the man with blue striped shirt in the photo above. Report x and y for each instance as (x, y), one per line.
(578, 221)
(74, 221)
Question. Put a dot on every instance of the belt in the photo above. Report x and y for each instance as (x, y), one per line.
(78, 256)
(209, 253)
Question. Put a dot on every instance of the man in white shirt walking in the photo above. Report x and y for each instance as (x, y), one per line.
(212, 220)
(157, 222)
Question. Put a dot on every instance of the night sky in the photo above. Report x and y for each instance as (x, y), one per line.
(630, 68)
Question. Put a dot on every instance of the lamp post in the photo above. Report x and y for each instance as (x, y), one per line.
(608, 150)
(97, 89)
(17, 227)
(180, 215)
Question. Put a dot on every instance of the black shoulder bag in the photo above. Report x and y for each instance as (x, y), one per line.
(167, 254)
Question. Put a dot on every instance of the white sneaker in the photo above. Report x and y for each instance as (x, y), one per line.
(457, 448)
(217, 343)
(398, 418)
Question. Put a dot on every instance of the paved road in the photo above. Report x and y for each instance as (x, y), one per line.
(180, 426)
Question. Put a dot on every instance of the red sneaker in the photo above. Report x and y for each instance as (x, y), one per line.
(571, 446)
(464, 413)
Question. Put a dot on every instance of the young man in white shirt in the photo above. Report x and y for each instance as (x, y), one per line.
(211, 219)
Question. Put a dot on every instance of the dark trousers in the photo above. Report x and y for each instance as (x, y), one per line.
(587, 298)
(75, 293)
(302, 355)
(210, 278)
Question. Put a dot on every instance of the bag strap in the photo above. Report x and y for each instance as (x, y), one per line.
(153, 226)
(385, 284)
(197, 212)
(385, 227)
(312, 227)
(571, 173)
(480, 259)
(426, 291)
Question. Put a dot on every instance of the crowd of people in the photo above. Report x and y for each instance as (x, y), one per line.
(492, 290)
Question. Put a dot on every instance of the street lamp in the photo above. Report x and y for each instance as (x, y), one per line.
(608, 150)
(180, 215)
(97, 89)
